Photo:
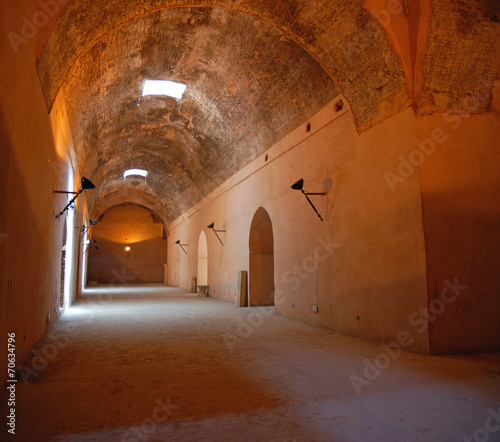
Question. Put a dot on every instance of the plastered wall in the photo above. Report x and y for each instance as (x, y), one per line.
(128, 226)
(461, 206)
(410, 238)
(405, 236)
(364, 266)
(31, 168)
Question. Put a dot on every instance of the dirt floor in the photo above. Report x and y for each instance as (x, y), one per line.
(159, 364)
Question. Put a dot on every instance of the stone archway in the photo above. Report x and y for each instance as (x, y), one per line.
(261, 271)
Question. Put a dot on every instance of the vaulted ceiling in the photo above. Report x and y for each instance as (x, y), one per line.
(247, 87)
(254, 70)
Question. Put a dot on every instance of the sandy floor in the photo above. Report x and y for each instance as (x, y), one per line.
(160, 364)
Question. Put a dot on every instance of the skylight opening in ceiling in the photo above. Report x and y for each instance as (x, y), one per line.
(135, 172)
(163, 87)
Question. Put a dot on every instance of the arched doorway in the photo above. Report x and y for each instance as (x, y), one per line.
(261, 245)
(202, 277)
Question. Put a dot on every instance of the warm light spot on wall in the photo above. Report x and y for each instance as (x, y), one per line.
(135, 172)
(163, 87)
(130, 243)
(62, 133)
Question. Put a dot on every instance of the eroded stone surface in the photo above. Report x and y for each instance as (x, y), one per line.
(462, 56)
(342, 36)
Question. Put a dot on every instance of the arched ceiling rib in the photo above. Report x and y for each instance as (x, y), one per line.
(341, 35)
(130, 196)
(248, 86)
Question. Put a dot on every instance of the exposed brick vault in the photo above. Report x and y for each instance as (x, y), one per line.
(255, 70)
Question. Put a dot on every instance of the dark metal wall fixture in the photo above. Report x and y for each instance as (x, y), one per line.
(85, 228)
(86, 185)
(211, 226)
(178, 242)
(299, 186)
(91, 243)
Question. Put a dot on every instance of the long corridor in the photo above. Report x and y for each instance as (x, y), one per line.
(160, 364)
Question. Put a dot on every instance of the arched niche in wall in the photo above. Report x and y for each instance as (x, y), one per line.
(261, 271)
(202, 278)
